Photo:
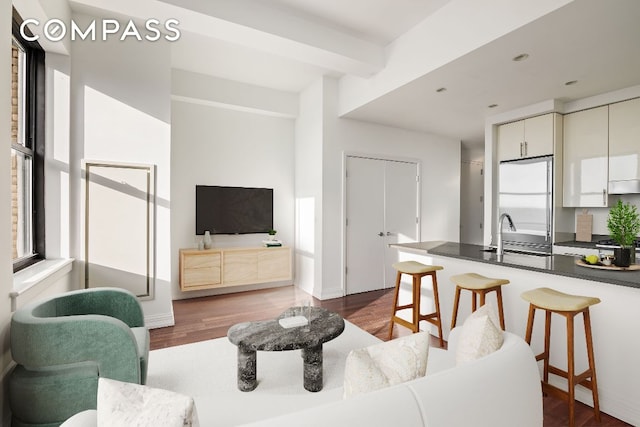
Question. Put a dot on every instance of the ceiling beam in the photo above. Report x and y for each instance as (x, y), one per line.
(252, 24)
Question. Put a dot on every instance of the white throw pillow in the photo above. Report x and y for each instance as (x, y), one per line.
(481, 335)
(123, 404)
(385, 364)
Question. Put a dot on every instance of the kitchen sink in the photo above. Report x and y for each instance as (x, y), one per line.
(492, 249)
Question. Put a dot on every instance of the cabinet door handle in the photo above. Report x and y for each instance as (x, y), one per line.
(381, 234)
(604, 197)
(526, 149)
(521, 149)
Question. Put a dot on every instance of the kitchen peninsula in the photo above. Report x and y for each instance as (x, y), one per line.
(615, 321)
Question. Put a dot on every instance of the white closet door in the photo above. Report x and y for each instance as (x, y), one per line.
(365, 224)
(382, 207)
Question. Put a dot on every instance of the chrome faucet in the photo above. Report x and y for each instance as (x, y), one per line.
(500, 250)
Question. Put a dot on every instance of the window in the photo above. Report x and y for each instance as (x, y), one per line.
(27, 149)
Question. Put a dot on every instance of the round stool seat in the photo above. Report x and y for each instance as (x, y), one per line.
(477, 281)
(414, 267)
(551, 299)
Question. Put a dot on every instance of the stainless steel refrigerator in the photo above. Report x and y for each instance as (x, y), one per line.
(525, 193)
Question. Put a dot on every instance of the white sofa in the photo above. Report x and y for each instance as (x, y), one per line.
(501, 389)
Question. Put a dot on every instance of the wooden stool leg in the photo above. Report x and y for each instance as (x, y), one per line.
(532, 314)
(473, 301)
(436, 300)
(395, 304)
(500, 308)
(570, 370)
(416, 303)
(547, 344)
(592, 364)
(456, 301)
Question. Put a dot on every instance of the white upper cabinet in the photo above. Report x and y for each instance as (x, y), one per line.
(585, 158)
(531, 137)
(510, 139)
(624, 140)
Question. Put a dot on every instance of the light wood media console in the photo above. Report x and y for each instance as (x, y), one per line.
(221, 267)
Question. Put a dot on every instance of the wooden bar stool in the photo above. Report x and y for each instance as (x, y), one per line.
(417, 271)
(568, 306)
(478, 285)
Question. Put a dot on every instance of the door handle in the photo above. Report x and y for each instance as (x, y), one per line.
(381, 234)
(389, 233)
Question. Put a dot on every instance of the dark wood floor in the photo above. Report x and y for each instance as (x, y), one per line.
(207, 318)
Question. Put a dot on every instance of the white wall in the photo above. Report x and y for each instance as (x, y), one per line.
(6, 269)
(472, 195)
(121, 112)
(57, 152)
(308, 189)
(218, 146)
(440, 170)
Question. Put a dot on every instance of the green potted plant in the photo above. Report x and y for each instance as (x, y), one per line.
(272, 234)
(624, 226)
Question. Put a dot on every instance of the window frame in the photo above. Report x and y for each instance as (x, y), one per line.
(34, 99)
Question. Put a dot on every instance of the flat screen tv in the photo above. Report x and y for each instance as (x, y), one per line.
(233, 210)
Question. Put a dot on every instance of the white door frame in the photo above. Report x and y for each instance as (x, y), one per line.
(345, 155)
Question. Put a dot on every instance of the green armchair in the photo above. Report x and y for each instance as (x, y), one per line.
(63, 344)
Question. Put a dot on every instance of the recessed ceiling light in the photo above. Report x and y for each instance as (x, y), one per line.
(520, 57)
(571, 82)
(441, 89)
(493, 105)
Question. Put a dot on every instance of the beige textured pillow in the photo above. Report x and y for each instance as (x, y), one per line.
(481, 335)
(123, 404)
(385, 364)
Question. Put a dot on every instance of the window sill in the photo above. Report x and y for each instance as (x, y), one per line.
(40, 274)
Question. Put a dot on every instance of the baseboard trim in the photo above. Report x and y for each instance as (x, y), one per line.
(611, 403)
(338, 293)
(159, 321)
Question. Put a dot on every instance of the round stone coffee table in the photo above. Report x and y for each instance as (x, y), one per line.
(269, 335)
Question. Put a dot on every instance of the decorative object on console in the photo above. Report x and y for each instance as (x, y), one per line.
(624, 225)
(272, 234)
(272, 243)
(385, 364)
(481, 335)
(207, 240)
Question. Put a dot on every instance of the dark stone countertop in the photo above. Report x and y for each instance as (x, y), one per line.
(587, 245)
(561, 265)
